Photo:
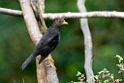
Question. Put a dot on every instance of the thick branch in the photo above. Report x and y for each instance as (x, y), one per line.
(34, 33)
(38, 7)
(30, 21)
(87, 43)
(51, 16)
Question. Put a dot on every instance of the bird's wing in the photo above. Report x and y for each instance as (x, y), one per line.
(47, 44)
(48, 38)
(52, 39)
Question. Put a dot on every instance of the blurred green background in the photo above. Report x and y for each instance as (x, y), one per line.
(16, 45)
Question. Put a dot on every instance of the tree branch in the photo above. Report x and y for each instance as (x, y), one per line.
(106, 14)
(87, 42)
(34, 33)
(10, 12)
(84, 15)
(30, 21)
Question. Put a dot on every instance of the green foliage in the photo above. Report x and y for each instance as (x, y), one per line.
(104, 76)
(120, 64)
(81, 78)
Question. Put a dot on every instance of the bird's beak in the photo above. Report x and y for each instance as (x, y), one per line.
(63, 23)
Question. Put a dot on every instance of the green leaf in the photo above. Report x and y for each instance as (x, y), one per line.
(120, 59)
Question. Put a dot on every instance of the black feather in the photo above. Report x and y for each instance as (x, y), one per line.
(47, 43)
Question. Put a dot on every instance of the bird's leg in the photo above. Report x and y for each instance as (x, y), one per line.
(50, 60)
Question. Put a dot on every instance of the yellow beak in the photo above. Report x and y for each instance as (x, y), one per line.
(63, 23)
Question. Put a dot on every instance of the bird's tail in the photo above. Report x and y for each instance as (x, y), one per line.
(27, 61)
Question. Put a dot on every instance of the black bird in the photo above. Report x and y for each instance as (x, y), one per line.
(47, 43)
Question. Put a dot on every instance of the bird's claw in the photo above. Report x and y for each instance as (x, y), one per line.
(51, 65)
(50, 60)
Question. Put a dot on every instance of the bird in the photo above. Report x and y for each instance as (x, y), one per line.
(47, 43)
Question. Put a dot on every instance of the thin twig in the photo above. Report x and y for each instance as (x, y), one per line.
(106, 14)
(87, 43)
(10, 12)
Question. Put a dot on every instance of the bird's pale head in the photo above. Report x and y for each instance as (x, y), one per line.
(59, 22)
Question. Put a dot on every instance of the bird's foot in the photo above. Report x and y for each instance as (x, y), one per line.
(49, 58)
(51, 65)
(50, 61)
